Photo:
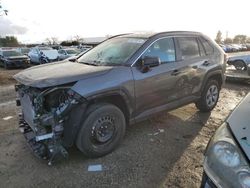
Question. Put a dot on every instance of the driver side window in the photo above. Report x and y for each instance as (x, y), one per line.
(164, 49)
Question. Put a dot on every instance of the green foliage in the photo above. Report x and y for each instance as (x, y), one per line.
(70, 43)
(9, 41)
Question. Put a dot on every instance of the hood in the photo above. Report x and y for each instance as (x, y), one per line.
(239, 122)
(51, 54)
(17, 57)
(58, 73)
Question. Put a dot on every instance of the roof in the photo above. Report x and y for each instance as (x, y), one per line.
(152, 34)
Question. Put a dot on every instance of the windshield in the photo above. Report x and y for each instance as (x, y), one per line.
(72, 51)
(11, 53)
(25, 50)
(115, 51)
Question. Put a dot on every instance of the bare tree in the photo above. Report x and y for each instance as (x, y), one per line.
(48, 41)
(3, 11)
(228, 41)
(218, 38)
(54, 40)
(78, 39)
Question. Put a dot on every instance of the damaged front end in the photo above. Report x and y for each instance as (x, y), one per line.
(46, 117)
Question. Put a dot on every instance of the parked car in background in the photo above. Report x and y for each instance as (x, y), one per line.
(240, 62)
(43, 54)
(67, 52)
(123, 80)
(23, 50)
(84, 48)
(77, 56)
(227, 156)
(13, 58)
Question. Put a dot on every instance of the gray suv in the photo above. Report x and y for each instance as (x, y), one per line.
(124, 80)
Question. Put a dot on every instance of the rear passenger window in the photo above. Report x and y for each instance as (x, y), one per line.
(208, 47)
(189, 47)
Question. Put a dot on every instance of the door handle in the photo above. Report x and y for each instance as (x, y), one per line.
(175, 72)
(206, 63)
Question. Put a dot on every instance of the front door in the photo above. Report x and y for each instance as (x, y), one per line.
(155, 87)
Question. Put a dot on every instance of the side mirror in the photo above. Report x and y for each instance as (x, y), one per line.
(72, 59)
(148, 62)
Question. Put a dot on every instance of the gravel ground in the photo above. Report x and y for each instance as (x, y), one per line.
(164, 151)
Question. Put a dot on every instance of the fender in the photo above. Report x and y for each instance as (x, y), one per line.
(128, 99)
(215, 71)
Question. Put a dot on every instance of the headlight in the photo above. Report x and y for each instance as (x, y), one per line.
(226, 154)
(244, 179)
(224, 162)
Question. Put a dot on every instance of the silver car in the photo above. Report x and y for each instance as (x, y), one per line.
(66, 53)
(240, 62)
(227, 155)
(43, 54)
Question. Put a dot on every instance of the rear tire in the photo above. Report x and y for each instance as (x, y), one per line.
(102, 130)
(209, 96)
(240, 65)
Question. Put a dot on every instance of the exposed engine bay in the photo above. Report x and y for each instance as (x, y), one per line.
(45, 113)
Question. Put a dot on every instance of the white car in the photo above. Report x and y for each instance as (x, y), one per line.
(66, 53)
(43, 54)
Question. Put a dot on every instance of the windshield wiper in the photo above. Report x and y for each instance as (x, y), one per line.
(87, 63)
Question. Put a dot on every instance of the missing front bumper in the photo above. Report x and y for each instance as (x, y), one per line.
(43, 146)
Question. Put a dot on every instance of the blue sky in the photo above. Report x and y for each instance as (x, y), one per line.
(35, 20)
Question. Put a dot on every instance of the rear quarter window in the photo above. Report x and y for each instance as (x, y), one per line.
(209, 49)
(188, 47)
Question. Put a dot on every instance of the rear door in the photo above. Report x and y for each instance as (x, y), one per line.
(191, 58)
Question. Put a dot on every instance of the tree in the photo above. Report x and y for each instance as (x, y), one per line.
(9, 41)
(228, 41)
(3, 11)
(248, 40)
(54, 40)
(51, 41)
(218, 38)
(78, 39)
(240, 39)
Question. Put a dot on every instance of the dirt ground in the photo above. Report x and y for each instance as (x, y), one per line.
(164, 151)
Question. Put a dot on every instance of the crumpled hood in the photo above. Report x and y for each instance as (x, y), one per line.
(239, 122)
(58, 73)
(51, 54)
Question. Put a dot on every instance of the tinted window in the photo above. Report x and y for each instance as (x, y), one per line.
(201, 47)
(163, 49)
(189, 47)
(208, 48)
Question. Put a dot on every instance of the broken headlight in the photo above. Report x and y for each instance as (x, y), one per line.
(224, 160)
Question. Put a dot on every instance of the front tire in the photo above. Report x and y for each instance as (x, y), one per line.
(209, 96)
(102, 130)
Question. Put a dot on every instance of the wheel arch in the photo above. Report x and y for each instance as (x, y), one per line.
(117, 98)
(216, 75)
